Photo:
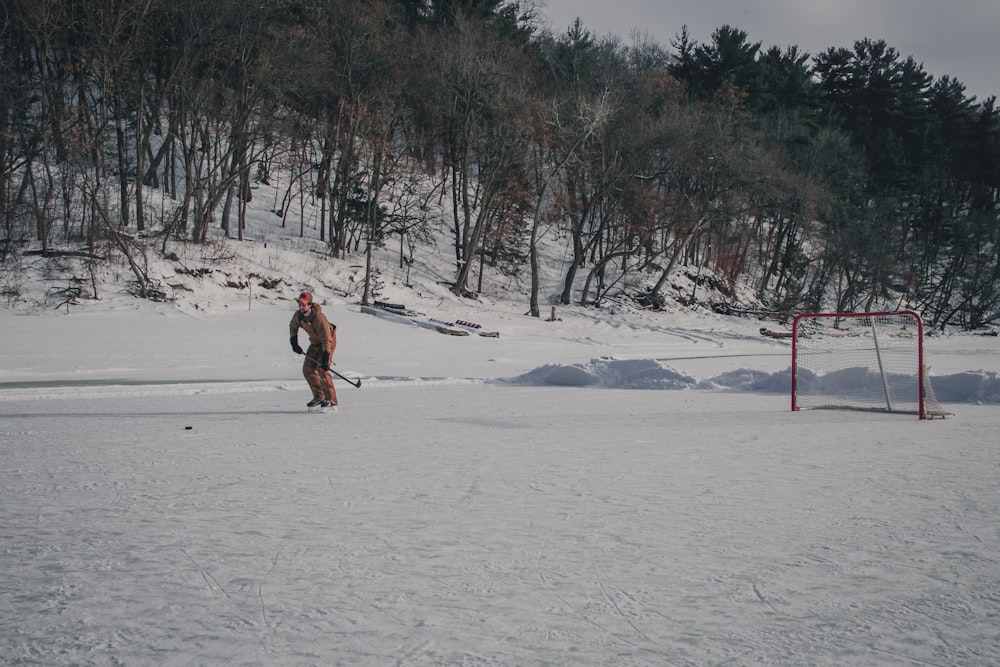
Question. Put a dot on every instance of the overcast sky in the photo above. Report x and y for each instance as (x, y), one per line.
(959, 38)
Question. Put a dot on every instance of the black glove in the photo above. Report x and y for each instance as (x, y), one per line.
(324, 360)
(295, 345)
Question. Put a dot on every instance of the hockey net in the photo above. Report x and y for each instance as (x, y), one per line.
(861, 361)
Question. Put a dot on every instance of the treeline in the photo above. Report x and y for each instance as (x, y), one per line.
(850, 179)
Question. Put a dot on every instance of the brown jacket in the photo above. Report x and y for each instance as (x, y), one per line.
(321, 333)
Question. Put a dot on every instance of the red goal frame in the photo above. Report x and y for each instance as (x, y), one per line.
(827, 346)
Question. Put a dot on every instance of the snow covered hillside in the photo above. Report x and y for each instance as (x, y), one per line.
(62, 309)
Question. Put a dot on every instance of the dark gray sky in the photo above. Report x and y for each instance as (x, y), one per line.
(960, 38)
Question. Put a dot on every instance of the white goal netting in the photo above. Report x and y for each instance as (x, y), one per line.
(861, 361)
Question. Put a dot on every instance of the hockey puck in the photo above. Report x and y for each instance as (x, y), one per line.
(188, 428)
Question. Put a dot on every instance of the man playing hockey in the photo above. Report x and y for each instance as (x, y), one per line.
(322, 343)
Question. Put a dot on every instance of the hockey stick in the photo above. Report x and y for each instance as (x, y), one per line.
(353, 383)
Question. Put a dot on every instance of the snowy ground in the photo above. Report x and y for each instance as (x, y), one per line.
(166, 500)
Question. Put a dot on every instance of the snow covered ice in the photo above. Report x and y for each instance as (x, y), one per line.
(167, 500)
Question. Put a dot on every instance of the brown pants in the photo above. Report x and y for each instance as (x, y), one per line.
(319, 380)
